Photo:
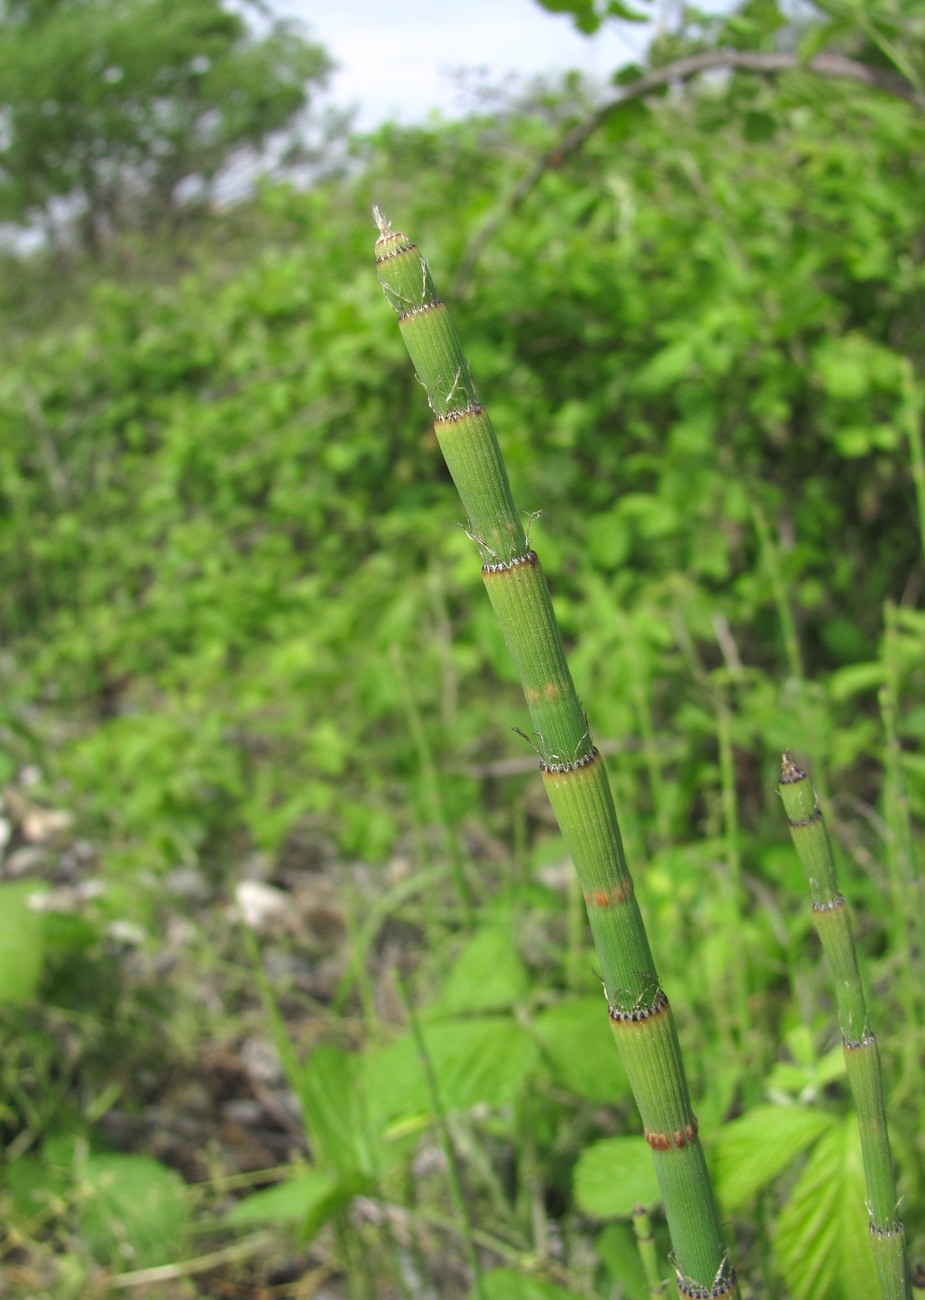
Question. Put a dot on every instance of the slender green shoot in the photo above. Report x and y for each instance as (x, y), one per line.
(770, 560)
(571, 766)
(912, 419)
(645, 1244)
(446, 1142)
(862, 1056)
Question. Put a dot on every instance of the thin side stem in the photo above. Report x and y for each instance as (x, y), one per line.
(446, 1142)
(862, 1056)
(571, 766)
(645, 1244)
(912, 418)
(770, 560)
(431, 779)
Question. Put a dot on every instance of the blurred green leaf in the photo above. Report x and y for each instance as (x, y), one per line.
(509, 1284)
(133, 1211)
(578, 1046)
(488, 975)
(615, 1175)
(749, 1152)
(823, 1245)
(304, 1202)
(476, 1061)
(22, 941)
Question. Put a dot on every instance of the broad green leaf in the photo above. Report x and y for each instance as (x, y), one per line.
(508, 1284)
(751, 1151)
(856, 679)
(35, 1184)
(823, 1244)
(133, 1211)
(578, 1047)
(305, 1202)
(616, 1245)
(484, 1060)
(22, 942)
(486, 976)
(336, 1118)
(615, 1175)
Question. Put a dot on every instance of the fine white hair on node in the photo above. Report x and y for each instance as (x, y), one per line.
(385, 226)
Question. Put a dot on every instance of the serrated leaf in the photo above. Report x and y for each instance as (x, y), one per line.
(133, 1211)
(615, 1175)
(487, 975)
(823, 1244)
(751, 1151)
(508, 1284)
(578, 1046)
(484, 1060)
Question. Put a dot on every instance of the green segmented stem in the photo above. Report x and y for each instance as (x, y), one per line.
(862, 1056)
(573, 771)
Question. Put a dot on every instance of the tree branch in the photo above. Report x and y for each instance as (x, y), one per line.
(823, 65)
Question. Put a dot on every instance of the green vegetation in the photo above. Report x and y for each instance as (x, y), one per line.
(862, 1056)
(121, 110)
(246, 668)
(572, 767)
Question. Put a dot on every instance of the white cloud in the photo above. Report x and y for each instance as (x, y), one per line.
(396, 62)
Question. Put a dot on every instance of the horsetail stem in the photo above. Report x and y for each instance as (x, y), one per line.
(572, 769)
(862, 1056)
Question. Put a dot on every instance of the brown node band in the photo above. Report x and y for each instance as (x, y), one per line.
(677, 1141)
(609, 897)
(419, 311)
(453, 417)
(831, 904)
(855, 1044)
(406, 247)
(562, 769)
(638, 1014)
(550, 691)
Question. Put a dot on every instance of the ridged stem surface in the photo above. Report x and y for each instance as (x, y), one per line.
(573, 771)
(862, 1056)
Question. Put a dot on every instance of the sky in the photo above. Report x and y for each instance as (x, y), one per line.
(396, 59)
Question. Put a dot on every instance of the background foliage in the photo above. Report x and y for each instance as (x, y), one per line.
(244, 642)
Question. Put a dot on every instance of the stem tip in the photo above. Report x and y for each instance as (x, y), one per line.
(382, 221)
(790, 774)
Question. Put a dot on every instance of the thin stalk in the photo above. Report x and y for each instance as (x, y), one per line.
(906, 910)
(431, 779)
(912, 418)
(770, 560)
(862, 1056)
(571, 766)
(900, 847)
(645, 1244)
(446, 1142)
